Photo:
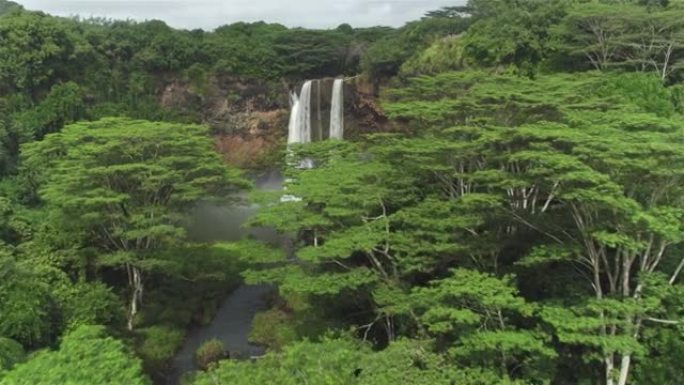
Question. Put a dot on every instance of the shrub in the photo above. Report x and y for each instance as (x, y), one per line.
(11, 352)
(88, 304)
(87, 355)
(273, 328)
(645, 91)
(27, 296)
(677, 96)
(158, 345)
(443, 55)
(209, 352)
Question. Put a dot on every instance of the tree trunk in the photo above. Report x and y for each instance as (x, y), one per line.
(624, 369)
(389, 328)
(609, 370)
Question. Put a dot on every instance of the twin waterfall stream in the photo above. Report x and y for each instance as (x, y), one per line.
(301, 129)
(337, 110)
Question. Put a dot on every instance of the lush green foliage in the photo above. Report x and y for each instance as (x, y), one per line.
(158, 345)
(273, 328)
(629, 35)
(120, 62)
(11, 353)
(209, 353)
(531, 226)
(385, 57)
(25, 299)
(526, 227)
(85, 356)
(107, 201)
(122, 186)
(445, 54)
(9, 6)
(343, 362)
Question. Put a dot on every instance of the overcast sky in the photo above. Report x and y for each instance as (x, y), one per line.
(209, 14)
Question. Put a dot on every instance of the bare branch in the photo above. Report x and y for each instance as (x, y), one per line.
(663, 321)
(673, 279)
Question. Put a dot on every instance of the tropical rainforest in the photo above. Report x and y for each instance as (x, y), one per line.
(519, 222)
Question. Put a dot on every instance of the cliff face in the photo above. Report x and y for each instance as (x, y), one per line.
(365, 113)
(250, 118)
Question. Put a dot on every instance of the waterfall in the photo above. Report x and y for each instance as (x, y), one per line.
(303, 119)
(337, 110)
(293, 133)
(319, 125)
(299, 129)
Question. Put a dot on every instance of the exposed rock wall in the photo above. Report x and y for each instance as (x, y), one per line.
(249, 118)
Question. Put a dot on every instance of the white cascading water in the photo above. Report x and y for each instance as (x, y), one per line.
(303, 118)
(299, 128)
(293, 136)
(337, 110)
(292, 130)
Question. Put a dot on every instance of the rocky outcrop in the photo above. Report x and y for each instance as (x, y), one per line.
(249, 118)
(255, 138)
(367, 115)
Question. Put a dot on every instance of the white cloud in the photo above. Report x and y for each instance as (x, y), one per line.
(209, 14)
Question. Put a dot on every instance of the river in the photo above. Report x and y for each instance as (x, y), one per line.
(233, 321)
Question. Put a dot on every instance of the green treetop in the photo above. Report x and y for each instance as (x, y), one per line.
(123, 186)
(85, 356)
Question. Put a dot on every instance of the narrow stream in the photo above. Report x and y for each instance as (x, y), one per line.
(233, 321)
(231, 325)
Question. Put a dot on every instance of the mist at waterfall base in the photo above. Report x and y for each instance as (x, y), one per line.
(212, 222)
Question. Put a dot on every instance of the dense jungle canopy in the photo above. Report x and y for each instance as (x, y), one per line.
(521, 223)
